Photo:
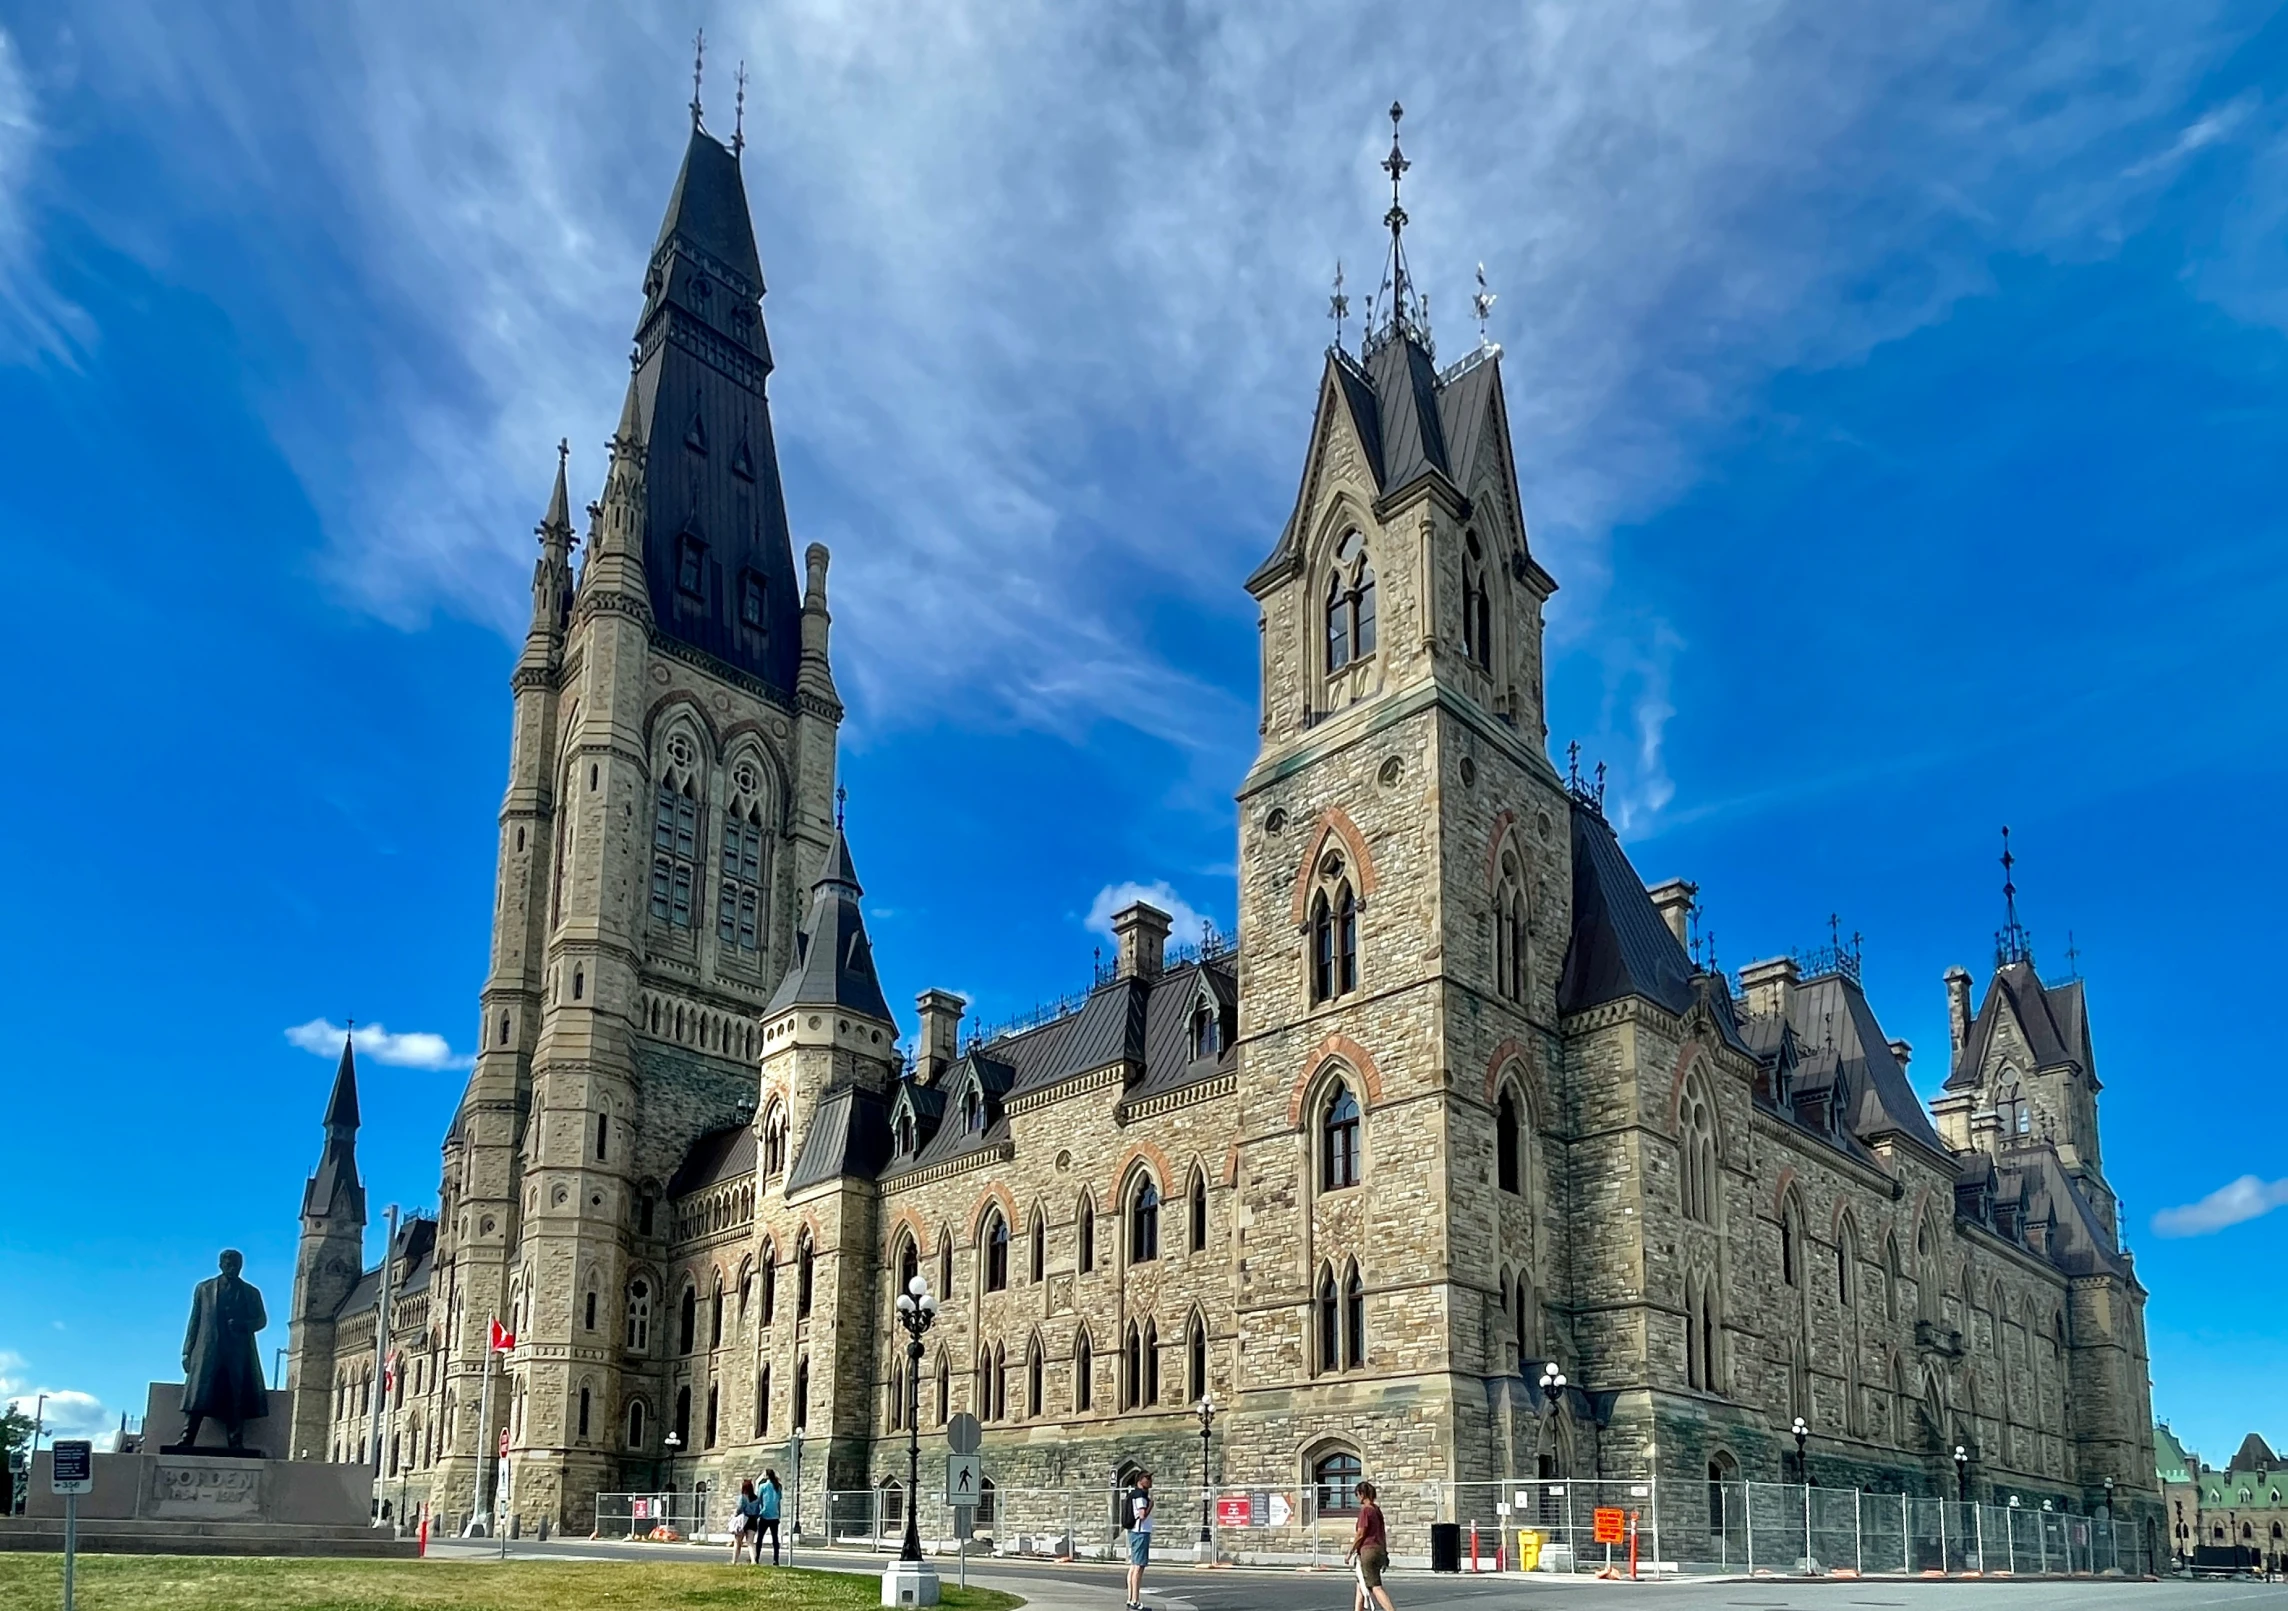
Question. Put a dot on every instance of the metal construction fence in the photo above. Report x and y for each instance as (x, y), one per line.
(1526, 1524)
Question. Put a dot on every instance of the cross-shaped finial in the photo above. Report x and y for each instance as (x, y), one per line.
(563, 451)
(1573, 765)
(1483, 303)
(698, 67)
(1338, 305)
(2073, 956)
(739, 124)
(1395, 164)
(841, 804)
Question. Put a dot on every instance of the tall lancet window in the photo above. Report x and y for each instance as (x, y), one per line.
(1350, 604)
(1477, 609)
(739, 897)
(1334, 933)
(675, 851)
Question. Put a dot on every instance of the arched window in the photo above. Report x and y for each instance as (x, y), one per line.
(1330, 1321)
(802, 1395)
(905, 1135)
(897, 1390)
(1521, 1322)
(987, 1501)
(1144, 1223)
(770, 1275)
(1196, 1357)
(1477, 611)
(2011, 1112)
(909, 1264)
(639, 1316)
(1505, 1144)
(687, 1320)
(1339, 1140)
(1086, 1236)
(996, 1252)
(944, 1390)
(775, 1141)
(1035, 1371)
(715, 1314)
(1198, 1217)
(588, 1306)
(675, 849)
(713, 1390)
(636, 1424)
(805, 1274)
(1350, 604)
(1132, 1369)
(1510, 931)
(981, 1384)
(1334, 932)
(1696, 1153)
(1205, 1040)
(1037, 1248)
(763, 1403)
(1084, 1373)
(1336, 1477)
(973, 1111)
(1847, 1266)
(1151, 1363)
(944, 1262)
(1791, 1244)
(1354, 1319)
(739, 905)
(683, 1416)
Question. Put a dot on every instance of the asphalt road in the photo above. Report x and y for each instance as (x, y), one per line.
(1176, 1587)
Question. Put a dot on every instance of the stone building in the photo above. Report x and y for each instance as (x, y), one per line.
(1456, 1099)
(2244, 1506)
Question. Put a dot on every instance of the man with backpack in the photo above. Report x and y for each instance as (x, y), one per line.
(1137, 1514)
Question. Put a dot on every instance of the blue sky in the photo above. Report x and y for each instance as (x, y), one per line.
(1898, 391)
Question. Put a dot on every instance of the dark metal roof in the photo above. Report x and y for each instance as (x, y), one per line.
(1620, 946)
(416, 1254)
(717, 1156)
(2078, 1243)
(2253, 1452)
(848, 1135)
(833, 959)
(1830, 1012)
(711, 462)
(341, 1107)
(334, 1189)
(2053, 1018)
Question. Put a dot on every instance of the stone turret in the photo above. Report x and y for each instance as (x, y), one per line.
(327, 1263)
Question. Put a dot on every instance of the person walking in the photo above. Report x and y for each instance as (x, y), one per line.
(767, 1515)
(1369, 1553)
(1139, 1520)
(747, 1525)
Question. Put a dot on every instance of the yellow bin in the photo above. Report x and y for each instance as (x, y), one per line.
(1528, 1549)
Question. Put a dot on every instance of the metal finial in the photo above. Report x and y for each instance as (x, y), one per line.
(1600, 785)
(1573, 766)
(698, 67)
(1338, 305)
(841, 804)
(563, 451)
(739, 123)
(2073, 957)
(1483, 304)
(2013, 944)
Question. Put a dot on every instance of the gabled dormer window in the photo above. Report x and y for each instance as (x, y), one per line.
(690, 565)
(1207, 1030)
(905, 1135)
(973, 1110)
(751, 600)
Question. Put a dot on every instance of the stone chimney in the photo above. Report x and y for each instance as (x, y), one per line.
(940, 1040)
(1958, 1006)
(1904, 1052)
(1142, 932)
(1673, 900)
(1769, 986)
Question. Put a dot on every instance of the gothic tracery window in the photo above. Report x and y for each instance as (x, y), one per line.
(1506, 1172)
(1144, 1223)
(1697, 1154)
(1339, 1140)
(675, 850)
(996, 1253)
(739, 898)
(1334, 932)
(1350, 606)
(1510, 932)
(1477, 610)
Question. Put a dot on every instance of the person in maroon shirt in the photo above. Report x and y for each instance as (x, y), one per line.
(1370, 1553)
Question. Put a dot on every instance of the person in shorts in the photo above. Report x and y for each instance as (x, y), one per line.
(1139, 1520)
(746, 1520)
(1369, 1553)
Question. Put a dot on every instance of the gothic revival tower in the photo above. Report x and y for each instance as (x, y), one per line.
(326, 1265)
(669, 800)
(1403, 896)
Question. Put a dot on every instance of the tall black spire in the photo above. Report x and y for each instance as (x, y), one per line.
(335, 1189)
(833, 959)
(717, 555)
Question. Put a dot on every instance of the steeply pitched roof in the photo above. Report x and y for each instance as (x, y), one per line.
(833, 959)
(717, 1156)
(2253, 1452)
(1620, 945)
(2171, 1460)
(1830, 1011)
(707, 211)
(848, 1135)
(415, 1252)
(342, 1106)
(2054, 1019)
(334, 1189)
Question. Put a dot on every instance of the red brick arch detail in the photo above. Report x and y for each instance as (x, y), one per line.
(1690, 1053)
(1502, 825)
(1335, 823)
(1536, 1089)
(1333, 1048)
(1162, 1171)
(1231, 1165)
(1779, 1192)
(995, 1193)
(911, 1222)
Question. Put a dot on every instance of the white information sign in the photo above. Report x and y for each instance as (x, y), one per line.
(962, 1477)
(1281, 1511)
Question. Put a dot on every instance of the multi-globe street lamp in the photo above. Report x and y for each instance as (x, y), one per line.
(1961, 1473)
(917, 1312)
(1206, 1411)
(1802, 1465)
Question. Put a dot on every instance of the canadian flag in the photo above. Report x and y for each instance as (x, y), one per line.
(389, 1372)
(503, 1338)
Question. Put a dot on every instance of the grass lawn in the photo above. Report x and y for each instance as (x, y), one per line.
(198, 1583)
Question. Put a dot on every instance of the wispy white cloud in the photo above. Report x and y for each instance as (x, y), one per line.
(1186, 923)
(2206, 130)
(34, 320)
(68, 1412)
(415, 1049)
(2244, 1199)
(1046, 279)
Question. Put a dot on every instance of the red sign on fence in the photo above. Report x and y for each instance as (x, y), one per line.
(1611, 1525)
(1235, 1510)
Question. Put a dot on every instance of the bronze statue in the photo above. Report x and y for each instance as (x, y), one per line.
(222, 1368)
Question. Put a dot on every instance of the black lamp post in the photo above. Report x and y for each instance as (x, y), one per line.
(2109, 1501)
(1802, 1466)
(1206, 1410)
(917, 1312)
(1552, 1385)
(1961, 1473)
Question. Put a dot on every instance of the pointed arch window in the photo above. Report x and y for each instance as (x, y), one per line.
(1037, 1248)
(1036, 1369)
(1196, 1357)
(639, 1316)
(636, 1424)
(763, 1403)
(802, 1395)
(1506, 1171)
(715, 1315)
(1084, 1373)
(1330, 1318)
(1696, 1160)
(909, 1263)
(1350, 607)
(1847, 1267)
(1339, 1140)
(944, 1390)
(1477, 609)
(1521, 1319)
(1086, 1236)
(1354, 1319)
(1206, 1041)
(1791, 1244)
(1198, 1217)
(1334, 933)
(775, 1141)
(1132, 1369)
(739, 899)
(1510, 931)
(770, 1276)
(675, 850)
(2011, 1112)
(714, 1391)
(1144, 1223)
(687, 1320)
(683, 1416)
(996, 1253)
(945, 1261)
(805, 1274)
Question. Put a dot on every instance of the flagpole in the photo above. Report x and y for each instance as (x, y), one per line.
(485, 1430)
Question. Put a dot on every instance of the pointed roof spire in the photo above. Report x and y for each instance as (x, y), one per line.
(739, 118)
(698, 68)
(558, 520)
(341, 1107)
(833, 958)
(1403, 312)
(2012, 944)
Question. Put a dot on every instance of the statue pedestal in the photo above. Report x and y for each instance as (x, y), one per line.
(164, 1422)
(909, 1583)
